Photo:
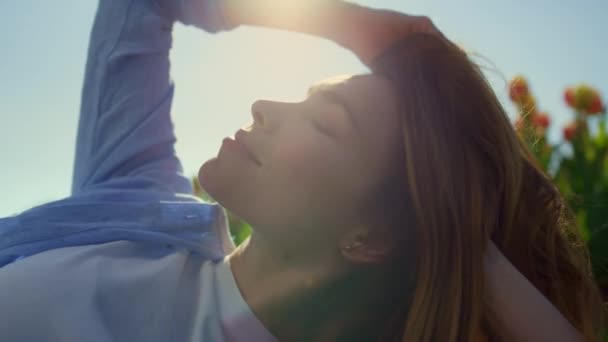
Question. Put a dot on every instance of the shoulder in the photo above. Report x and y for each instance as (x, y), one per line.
(118, 286)
(90, 267)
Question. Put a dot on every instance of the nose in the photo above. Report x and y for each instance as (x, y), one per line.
(261, 110)
(256, 112)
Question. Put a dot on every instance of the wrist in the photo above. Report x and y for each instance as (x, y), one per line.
(336, 20)
(493, 256)
(228, 10)
(496, 269)
(226, 16)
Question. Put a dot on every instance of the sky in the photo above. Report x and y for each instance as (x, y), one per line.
(554, 44)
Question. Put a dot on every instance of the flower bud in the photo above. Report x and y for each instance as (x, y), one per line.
(595, 106)
(518, 89)
(570, 131)
(541, 120)
(569, 97)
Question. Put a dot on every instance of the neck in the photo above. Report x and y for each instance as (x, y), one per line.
(294, 296)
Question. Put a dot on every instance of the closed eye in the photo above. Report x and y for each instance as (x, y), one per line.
(324, 120)
(321, 127)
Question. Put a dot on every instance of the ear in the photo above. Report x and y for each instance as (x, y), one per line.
(358, 246)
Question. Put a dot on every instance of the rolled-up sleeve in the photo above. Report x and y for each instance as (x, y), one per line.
(125, 134)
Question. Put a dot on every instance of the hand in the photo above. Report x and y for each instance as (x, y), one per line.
(365, 31)
(383, 28)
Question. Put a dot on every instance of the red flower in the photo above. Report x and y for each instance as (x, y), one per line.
(585, 99)
(569, 97)
(570, 131)
(595, 106)
(518, 88)
(541, 120)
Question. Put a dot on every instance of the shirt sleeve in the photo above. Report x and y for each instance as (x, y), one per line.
(125, 133)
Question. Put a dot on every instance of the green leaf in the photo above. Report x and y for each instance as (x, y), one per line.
(581, 220)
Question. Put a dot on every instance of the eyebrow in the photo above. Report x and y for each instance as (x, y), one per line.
(335, 97)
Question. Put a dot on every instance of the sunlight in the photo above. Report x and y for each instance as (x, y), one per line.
(328, 82)
(219, 80)
(276, 13)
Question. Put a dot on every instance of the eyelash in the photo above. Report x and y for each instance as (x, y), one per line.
(322, 128)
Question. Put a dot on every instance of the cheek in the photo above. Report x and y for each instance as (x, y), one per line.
(307, 159)
(314, 172)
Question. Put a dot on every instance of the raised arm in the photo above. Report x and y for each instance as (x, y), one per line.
(365, 31)
(125, 135)
(522, 310)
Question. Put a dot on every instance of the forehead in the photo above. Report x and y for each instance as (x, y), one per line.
(369, 95)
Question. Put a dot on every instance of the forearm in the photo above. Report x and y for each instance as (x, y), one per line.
(521, 309)
(125, 132)
(336, 20)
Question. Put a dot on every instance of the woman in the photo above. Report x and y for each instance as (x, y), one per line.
(374, 202)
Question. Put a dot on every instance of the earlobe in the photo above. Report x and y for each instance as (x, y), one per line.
(351, 246)
(357, 248)
(363, 253)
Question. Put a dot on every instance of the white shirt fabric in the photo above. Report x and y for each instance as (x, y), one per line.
(123, 291)
(145, 289)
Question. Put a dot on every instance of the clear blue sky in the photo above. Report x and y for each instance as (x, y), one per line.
(553, 43)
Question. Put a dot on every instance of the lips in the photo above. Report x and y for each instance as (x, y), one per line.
(240, 138)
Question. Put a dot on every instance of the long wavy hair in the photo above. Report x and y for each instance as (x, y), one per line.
(467, 178)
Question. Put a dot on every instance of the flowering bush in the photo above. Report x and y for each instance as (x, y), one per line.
(578, 163)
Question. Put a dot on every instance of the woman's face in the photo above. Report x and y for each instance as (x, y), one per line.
(314, 165)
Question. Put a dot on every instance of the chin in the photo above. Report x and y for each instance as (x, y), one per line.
(207, 177)
(224, 187)
(216, 183)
